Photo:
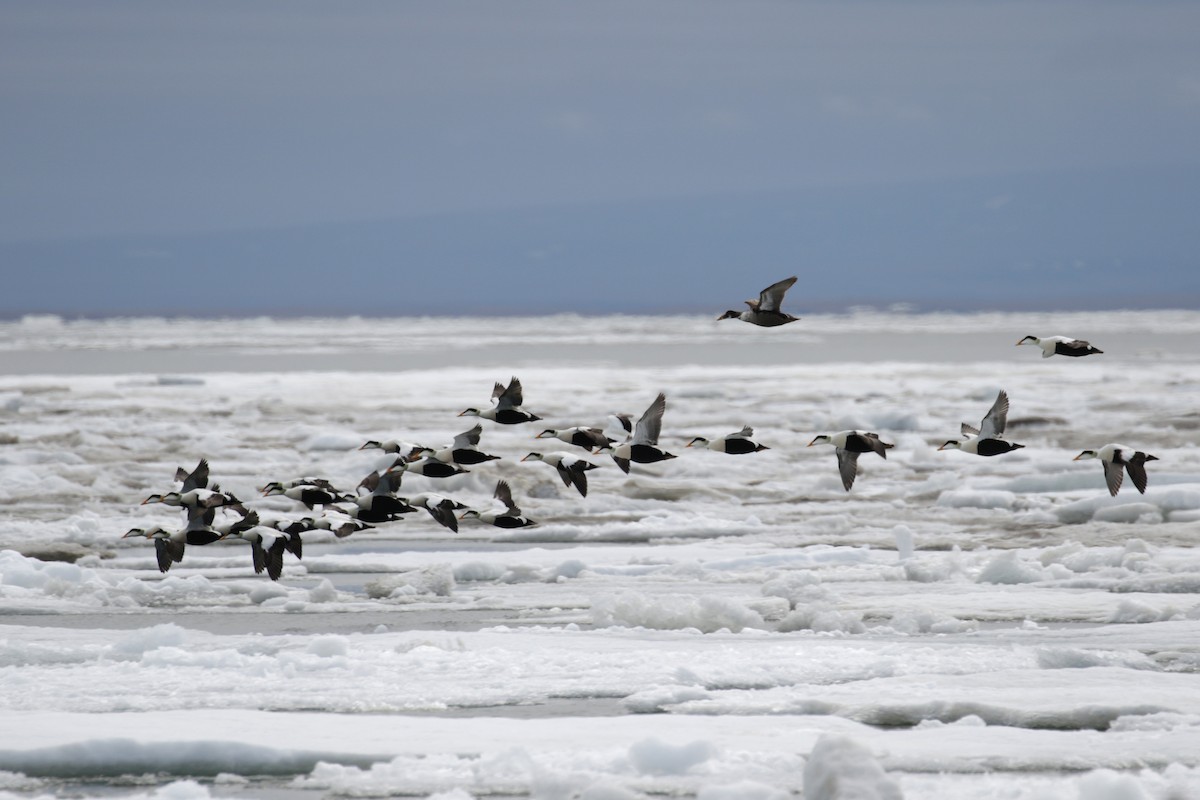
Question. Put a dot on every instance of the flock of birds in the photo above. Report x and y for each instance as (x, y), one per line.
(377, 497)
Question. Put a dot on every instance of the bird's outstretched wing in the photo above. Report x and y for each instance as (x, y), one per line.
(745, 433)
(1136, 467)
(648, 427)
(510, 397)
(468, 440)
(196, 479)
(848, 466)
(771, 298)
(996, 418)
(1113, 475)
(969, 430)
(504, 495)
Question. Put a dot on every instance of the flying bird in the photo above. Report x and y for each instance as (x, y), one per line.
(986, 439)
(510, 517)
(587, 438)
(734, 443)
(849, 446)
(1060, 346)
(464, 449)
(1115, 456)
(642, 445)
(765, 311)
(508, 409)
(572, 469)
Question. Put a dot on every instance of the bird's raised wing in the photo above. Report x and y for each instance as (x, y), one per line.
(509, 397)
(196, 479)
(996, 418)
(771, 298)
(468, 440)
(650, 424)
(504, 495)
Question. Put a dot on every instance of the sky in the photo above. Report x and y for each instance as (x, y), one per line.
(443, 157)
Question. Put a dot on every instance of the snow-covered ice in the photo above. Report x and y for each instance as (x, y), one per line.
(713, 626)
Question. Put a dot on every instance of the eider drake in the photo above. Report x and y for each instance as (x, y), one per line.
(1115, 456)
(441, 508)
(642, 446)
(587, 438)
(849, 445)
(986, 439)
(765, 310)
(510, 517)
(168, 545)
(508, 409)
(308, 494)
(427, 466)
(393, 446)
(738, 443)
(381, 504)
(267, 546)
(1060, 346)
(340, 526)
(464, 450)
(572, 469)
(197, 500)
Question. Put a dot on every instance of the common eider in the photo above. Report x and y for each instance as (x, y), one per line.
(738, 443)
(572, 469)
(642, 446)
(510, 517)
(508, 409)
(464, 450)
(849, 445)
(1115, 456)
(986, 439)
(765, 310)
(587, 438)
(1060, 346)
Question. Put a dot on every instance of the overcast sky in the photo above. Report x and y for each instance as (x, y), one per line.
(148, 118)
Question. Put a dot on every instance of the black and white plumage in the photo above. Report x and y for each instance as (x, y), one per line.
(849, 446)
(380, 503)
(738, 443)
(1060, 346)
(267, 546)
(642, 445)
(426, 466)
(510, 517)
(198, 501)
(1114, 457)
(507, 410)
(394, 446)
(987, 439)
(572, 469)
(308, 494)
(443, 509)
(339, 525)
(169, 546)
(589, 439)
(463, 450)
(764, 311)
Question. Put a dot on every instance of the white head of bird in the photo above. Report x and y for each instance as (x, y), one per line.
(1086, 454)
(700, 440)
